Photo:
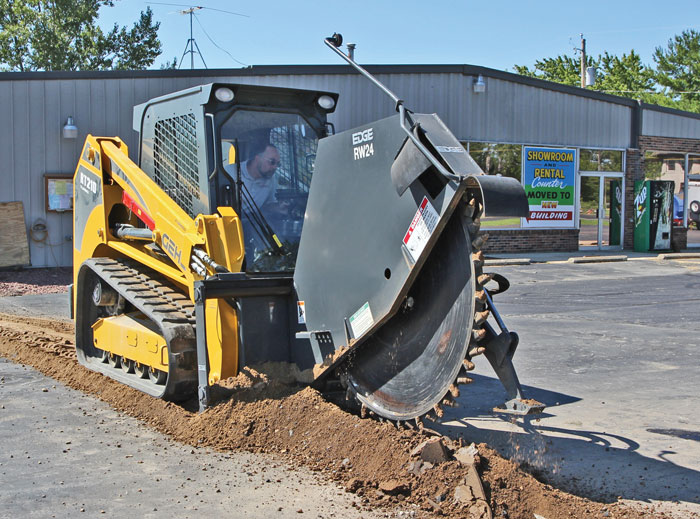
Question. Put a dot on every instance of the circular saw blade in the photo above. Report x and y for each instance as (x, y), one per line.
(407, 366)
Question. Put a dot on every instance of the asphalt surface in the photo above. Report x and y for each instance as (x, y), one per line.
(612, 349)
(65, 454)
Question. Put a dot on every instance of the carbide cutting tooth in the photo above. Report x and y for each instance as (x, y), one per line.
(478, 335)
(363, 411)
(468, 365)
(478, 258)
(476, 351)
(480, 296)
(438, 411)
(484, 278)
(418, 422)
(454, 391)
(349, 395)
(464, 380)
(474, 226)
(471, 208)
(480, 317)
(479, 241)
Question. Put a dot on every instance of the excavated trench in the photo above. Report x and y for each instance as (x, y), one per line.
(260, 414)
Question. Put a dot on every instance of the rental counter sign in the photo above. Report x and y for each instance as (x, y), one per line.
(549, 178)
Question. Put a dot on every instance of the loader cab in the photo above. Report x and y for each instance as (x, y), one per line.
(248, 147)
(267, 160)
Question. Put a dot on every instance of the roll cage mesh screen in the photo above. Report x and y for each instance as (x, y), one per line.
(297, 154)
(175, 160)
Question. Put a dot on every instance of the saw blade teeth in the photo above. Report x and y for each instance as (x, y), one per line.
(476, 351)
(471, 208)
(464, 380)
(468, 365)
(474, 226)
(481, 317)
(454, 391)
(438, 411)
(478, 335)
(479, 241)
(363, 411)
(480, 296)
(484, 278)
(418, 422)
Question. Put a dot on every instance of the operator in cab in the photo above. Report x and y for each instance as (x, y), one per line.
(258, 176)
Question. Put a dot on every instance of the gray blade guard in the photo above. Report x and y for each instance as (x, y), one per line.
(363, 243)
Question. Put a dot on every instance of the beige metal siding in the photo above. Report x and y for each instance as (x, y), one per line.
(662, 124)
(33, 112)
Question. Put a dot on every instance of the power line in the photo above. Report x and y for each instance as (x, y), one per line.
(215, 44)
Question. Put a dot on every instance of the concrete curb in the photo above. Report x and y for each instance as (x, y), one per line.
(506, 262)
(679, 255)
(596, 259)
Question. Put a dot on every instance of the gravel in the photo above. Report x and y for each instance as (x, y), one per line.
(35, 281)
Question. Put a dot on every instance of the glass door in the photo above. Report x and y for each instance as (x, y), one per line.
(601, 208)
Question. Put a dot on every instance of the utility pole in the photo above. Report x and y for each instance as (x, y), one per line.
(583, 61)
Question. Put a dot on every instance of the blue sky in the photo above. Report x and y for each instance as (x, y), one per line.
(491, 33)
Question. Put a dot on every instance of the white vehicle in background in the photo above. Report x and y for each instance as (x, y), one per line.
(694, 200)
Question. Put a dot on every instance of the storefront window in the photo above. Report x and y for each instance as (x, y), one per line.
(600, 160)
(498, 159)
(693, 201)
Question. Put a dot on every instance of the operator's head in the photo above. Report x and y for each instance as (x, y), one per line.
(266, 161)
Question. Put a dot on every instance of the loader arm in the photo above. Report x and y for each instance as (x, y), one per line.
(176, 242)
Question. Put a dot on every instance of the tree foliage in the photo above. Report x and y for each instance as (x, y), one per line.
(674, 82)
(678, 69)
(64, 35)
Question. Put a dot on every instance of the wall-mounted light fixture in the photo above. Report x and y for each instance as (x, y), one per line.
(70, 130)
(479, 85)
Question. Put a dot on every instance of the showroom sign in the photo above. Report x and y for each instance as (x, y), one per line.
(549, 178)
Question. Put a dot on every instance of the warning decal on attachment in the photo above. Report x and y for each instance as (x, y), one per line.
(361, 321)
(422, 226)
(301, 312)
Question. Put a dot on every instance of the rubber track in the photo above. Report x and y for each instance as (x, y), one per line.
(170, 310)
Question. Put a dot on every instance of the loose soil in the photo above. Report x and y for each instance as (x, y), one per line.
(258, 414)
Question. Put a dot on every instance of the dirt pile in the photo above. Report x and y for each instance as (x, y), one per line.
(35, 281)
(383, 465)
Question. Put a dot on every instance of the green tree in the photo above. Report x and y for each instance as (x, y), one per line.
(678, 69)
(562, 69)
(64, 35)
(624, 76)
(627, 76)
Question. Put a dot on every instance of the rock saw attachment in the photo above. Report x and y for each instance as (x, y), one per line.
(390, 271)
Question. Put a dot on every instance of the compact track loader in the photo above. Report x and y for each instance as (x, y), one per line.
(249, 233)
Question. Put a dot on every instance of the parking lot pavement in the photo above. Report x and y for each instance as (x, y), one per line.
(613, 349)
(64, 453)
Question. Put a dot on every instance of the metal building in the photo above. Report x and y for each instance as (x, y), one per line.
(493, 113)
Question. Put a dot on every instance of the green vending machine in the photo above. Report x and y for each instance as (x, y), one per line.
(615, 212)
(653, 203)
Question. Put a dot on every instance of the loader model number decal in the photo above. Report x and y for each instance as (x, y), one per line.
(173, 251)
(363, 146)
(88, 184)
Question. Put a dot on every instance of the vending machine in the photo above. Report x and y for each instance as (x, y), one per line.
(653, 203)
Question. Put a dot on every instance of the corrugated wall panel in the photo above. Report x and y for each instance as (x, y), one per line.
(35, 111)
(662, 124)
